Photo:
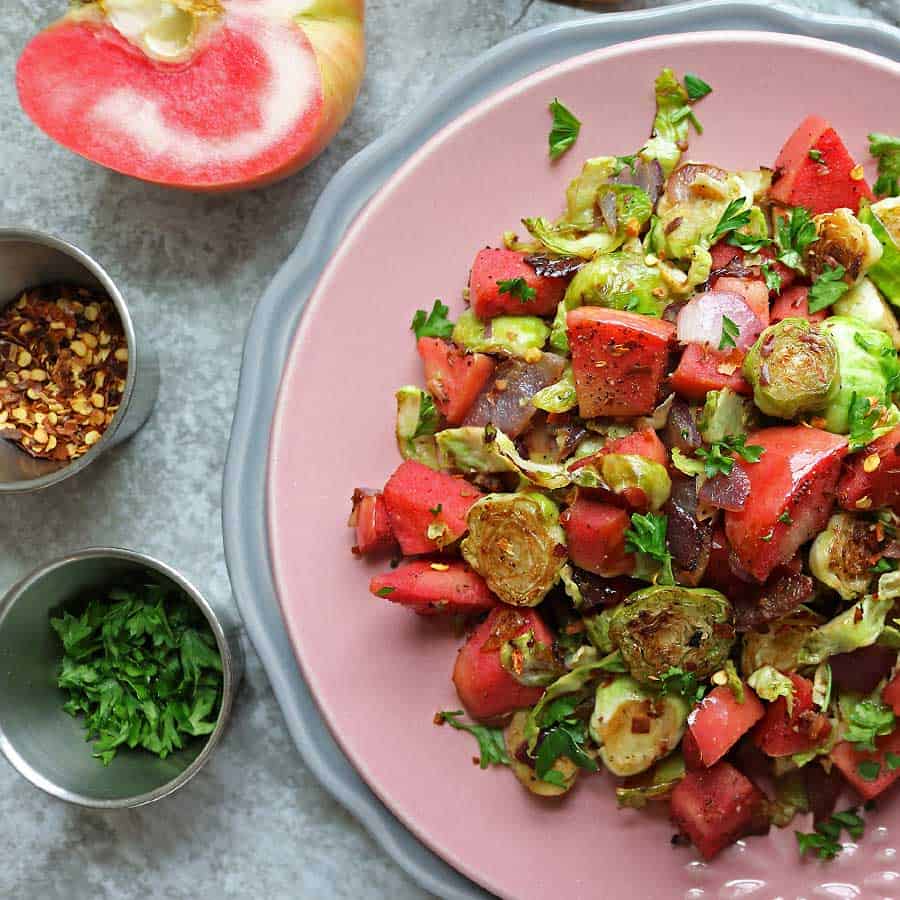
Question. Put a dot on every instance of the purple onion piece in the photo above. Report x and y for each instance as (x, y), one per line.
(727, 491)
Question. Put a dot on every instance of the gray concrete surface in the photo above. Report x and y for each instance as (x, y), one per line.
(255, 823)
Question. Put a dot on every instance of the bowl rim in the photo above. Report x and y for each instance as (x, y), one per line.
(84, 259)
(229, 679)
(277, 314)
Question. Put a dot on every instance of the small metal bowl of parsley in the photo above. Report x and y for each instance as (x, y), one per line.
(116, 678)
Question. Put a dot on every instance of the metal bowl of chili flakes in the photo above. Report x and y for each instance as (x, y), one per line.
(75, 377)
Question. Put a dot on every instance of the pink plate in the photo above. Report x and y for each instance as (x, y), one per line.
(378, 673)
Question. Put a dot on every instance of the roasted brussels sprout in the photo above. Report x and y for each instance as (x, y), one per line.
(793, 368)
(868, 365)
(581, 194)
(843, 241)
(464, 449)
(635, 727)
(864, 302)
(559, 397)
(620, 281)
(417, 421)
(884, 220)
(625, 472)
(512, 335)
(515, 542)
(725, 414)
(841, 555)
(516, 748)
(780, 644)
(661, 627)
(529, 661)
(859, 626)
(770, 684)
(661, 782)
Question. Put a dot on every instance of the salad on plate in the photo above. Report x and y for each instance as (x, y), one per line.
(654, 475)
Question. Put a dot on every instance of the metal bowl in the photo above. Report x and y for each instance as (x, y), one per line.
(30, 259)
(47, 745)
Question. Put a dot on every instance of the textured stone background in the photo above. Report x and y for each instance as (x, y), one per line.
(255, 823)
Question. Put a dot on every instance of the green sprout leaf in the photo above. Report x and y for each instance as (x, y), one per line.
(564, 132)
(433, 324)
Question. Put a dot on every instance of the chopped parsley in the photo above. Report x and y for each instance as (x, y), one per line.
(684, 684)
(824, 842)
(883, 565)
(142, 666)
(768, 536)
(564, 132)
(428, 417)
(718, 461)
(751, 243)
(862, 415)
(491, 746)
(868, 770)
(828, 288)
(772, 278)
(695, 86)
(785, 517)
(436, 510)
(730, 333)
(793, 235)
(563, 734)
(816, 155)
(647, 535)
(892, 760)
(736, 215)
(517, 287)
(433, 324)
(385, 591)
(868, 720)
(886, 149)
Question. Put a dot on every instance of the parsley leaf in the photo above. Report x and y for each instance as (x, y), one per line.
(564, 132)
(793, 234)
(863, 415)
(491, 746)
(730, 332)
(892, 760)
(428, 417)
(825, 840)
(647, 535)
(772, 278)
(141, 665)
(564, 739)
(676, 681)
(385, 591)
(868, 770)
(717, 461)
(695, 86)
(433, 324)
(517, 287)
(736, 215)
(868, 720)
(886, 149)
(751, 243)
(827, 288)
(815, 155)
(883, 565)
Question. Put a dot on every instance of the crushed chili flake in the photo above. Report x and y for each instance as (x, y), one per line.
(63, 364)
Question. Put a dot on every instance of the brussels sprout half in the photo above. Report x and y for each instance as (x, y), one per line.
(619, 281)
(668, 626)
(868, 365)
(635, 727)
(464, 449)
(725, 414)
(884, 220)
(841, 555)
(780, 644)
(515, 542)
(843, 241)
(511, 335)
(864, 302)
(793, 368)
(417, 421)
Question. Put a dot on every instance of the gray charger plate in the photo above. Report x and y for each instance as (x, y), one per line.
(275, 319)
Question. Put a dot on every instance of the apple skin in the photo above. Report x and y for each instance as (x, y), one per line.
(66, 70)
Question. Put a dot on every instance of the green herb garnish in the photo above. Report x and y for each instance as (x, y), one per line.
(717, 460)
(793, 234)
(868, 720)
(695, 86)
(824, 842)
(517, 287)
(736, 215)
(751, 243)
(772, 278)
(892, 760)
(815, 155)
(647, 535)
(433, 324)
(685, 684)
(827, 288)
(730, 333)
(141, 665)
(863, 415)
(883, 565)
(868, 770)
(886, 149)
(785, 517)
(564, 132)
(491, 746)
(385, 591)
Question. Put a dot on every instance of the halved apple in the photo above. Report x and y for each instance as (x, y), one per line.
(207, 95)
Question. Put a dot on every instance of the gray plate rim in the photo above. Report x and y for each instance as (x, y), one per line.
(276, 315)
